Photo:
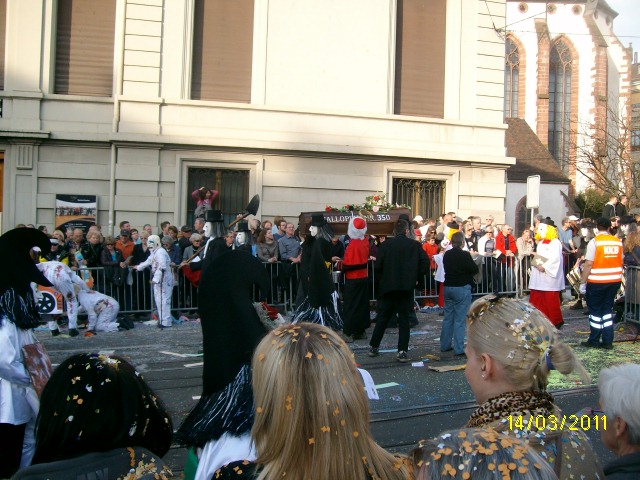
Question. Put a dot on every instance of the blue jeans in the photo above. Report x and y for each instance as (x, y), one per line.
(600, 298)
(457, 301)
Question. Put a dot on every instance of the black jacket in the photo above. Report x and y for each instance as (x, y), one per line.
(401, 262)
(459, 268)
(214, 249)
(626, 467)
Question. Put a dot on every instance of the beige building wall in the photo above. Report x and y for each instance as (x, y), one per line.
(320, 133)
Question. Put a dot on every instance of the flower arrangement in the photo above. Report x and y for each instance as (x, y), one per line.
(373, 203)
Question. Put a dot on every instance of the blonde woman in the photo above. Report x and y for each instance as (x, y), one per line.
(511, 349)
(312, 413)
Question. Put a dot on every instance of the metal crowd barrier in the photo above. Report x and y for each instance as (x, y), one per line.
(135, 294)
(631, 302)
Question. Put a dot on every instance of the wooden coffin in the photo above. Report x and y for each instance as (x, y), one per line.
(379, 223)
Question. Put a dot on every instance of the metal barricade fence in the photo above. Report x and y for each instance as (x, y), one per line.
(135, 293)
(631, 311)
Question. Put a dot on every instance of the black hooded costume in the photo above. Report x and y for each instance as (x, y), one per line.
(231, 329)
(320, 304)
(18, 315)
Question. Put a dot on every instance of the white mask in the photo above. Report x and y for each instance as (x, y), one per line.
(208, 228)
(153, 242)
(241, 238)
(313, 230)
(624, 228)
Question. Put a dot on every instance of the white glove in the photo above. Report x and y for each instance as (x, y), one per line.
(583, 288)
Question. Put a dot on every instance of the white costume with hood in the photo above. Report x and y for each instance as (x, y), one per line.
(102, 310)
(63, 279)
(162, 279)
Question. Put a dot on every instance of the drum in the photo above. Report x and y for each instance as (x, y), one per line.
(574, 278)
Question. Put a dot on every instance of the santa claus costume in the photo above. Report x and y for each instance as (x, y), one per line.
(547, 278)
(356, 285)
(162, 279)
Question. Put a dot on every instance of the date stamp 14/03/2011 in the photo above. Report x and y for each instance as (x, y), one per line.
(553, 422)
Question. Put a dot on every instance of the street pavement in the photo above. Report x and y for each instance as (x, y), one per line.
(415, 401)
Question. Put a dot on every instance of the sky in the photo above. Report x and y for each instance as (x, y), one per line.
(626, 25)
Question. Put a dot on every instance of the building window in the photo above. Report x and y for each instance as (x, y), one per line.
(635, 140)
(222, 50)
(420, 52)
(425, 197)
(233, 186)
(511, 79)
(523, 217)
(84, 47)
(560, 63)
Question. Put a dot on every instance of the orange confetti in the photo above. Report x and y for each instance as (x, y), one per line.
(259, 410)
(312, 441)
(308, 355)
(261, 357)
(356, 434)
(325, 429)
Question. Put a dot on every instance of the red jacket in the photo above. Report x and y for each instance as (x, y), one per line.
(500, 245)
(355, 259)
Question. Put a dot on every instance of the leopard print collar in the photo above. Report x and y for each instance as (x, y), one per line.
(512, 404)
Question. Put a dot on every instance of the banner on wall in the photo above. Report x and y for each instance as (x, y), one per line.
(76, 211)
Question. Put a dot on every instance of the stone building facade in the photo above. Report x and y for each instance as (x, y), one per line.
(307, 103)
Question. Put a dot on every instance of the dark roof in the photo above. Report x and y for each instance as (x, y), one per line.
(532, 157)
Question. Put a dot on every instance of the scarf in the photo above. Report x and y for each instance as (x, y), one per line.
(516, 404)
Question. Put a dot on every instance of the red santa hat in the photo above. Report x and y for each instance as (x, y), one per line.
(357, 228)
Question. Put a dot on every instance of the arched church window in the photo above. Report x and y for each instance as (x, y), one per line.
(560, 62)
(511, 78)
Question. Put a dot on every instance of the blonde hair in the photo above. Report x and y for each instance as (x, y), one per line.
(479, 454)
(631, 241)
(312, 413)
(522, 339)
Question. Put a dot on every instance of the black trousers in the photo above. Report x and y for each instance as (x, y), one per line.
(400, 301)
(356, 306)
(11, 437)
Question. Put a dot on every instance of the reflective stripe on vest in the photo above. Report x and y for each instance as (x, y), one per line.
(607, 263)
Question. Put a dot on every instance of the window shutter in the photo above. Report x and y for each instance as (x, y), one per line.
(222, 50)
(3, 34)
(84, 48)
(420, 55)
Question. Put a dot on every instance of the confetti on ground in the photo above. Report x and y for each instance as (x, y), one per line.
(387, 385)
(448, 368)
(106, 352)
(433, 358)
(196, 397)
(417, 364)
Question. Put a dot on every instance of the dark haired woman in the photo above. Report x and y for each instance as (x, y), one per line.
(97, 413)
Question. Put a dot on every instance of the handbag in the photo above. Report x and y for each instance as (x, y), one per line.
(116, 275)
(38, 364)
